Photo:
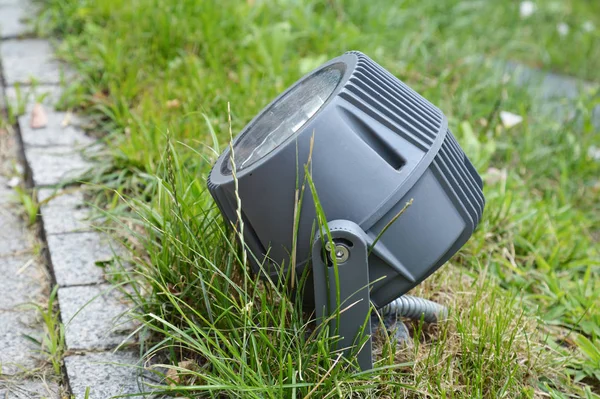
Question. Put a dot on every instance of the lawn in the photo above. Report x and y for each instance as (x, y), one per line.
(156, 78)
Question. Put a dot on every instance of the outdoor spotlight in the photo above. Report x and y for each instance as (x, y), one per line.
(374, 145)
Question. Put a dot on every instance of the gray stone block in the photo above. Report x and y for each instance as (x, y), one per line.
(2, 99)
(93, 317)
(56, 133)
(14, 2)
(52, 166)
(6, 193)
(75, 257)
(29, 60)
(107, 374)
(18, 353)
(56, 197)
(13, 18)
(28, 389)
(23, 280)
(14, 235)
(63, 211)
(59, 220)
(24, 98)
(555, 94)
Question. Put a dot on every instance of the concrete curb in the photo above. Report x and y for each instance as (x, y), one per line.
(90, 307)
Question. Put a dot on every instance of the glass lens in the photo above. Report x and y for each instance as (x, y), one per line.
(284, 118)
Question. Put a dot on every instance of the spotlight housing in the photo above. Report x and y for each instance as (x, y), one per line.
(377, 145)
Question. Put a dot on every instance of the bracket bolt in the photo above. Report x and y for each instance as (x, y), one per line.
(340, 251)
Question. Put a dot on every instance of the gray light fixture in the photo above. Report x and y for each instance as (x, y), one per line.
(377, 145)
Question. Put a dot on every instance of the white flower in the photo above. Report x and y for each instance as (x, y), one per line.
(563, 29)
(526, 9)
(509, 119)
(248, 307)
(594, 153)
(495, 175)
(14, 182)
(588, 26)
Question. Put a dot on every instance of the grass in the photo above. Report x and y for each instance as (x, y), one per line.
(52, 343)
(242, 337)
(29, 204)
(156, 77)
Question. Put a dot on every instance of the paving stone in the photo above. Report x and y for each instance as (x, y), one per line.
(28, 390)
(51, 166)
(75, 257)
(107, 374)
(55, 133)
(47, 95)
(18, 353)
(14, 2)
(59, 220)
(556, 94)
(13, 16)
(23, 281)
(92, 316)
(29, 60)
(2, 99)
(14, 235)
(549, 85)
(63, 211)
(6, 193)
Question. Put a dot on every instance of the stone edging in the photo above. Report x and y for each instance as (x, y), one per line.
(88, 304)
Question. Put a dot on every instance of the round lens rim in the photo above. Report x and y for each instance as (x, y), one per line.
(337, 64)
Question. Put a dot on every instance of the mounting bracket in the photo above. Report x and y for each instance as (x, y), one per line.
(348, 314)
